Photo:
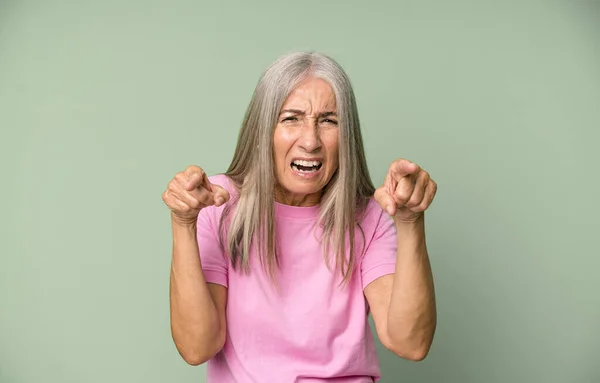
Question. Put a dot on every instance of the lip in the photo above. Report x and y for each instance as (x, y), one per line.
(308, 175)
(311, 175)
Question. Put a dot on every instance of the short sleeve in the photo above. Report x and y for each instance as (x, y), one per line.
(380, 255)
(214, 263)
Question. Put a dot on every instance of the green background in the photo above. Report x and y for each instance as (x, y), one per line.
(101, 103)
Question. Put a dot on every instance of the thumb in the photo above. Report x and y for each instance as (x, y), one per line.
(220, 195)
(385, 200)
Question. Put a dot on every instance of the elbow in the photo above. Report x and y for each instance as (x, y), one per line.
(195, 359)
(412, 348)
(199, 355)
(409, 352)
(415, 355)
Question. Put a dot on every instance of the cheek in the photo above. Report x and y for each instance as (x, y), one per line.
(281, 144)
(333, 150)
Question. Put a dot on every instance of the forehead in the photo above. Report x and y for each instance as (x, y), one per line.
(313, 92)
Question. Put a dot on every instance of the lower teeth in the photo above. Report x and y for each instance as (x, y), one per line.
(304, 171)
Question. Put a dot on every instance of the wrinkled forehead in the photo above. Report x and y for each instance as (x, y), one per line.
(311, 95)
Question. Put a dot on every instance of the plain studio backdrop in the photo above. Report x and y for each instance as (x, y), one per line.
(101, 103)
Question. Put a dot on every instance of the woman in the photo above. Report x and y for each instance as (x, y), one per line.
(277, 263)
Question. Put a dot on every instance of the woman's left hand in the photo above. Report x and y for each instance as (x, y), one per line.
(406, 192)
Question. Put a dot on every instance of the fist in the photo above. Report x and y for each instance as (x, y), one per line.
(189, 192)
(406, 192)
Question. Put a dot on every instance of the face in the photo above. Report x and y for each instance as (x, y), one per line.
(306, 143)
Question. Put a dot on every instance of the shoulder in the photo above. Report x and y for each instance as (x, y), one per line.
(376, 224)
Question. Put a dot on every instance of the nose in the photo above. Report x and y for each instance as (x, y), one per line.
(310, 141)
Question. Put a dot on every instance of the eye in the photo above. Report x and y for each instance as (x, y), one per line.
(291, 118)
(329, 121)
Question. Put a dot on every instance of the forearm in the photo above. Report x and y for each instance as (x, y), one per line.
(194, 318)
(412, 313)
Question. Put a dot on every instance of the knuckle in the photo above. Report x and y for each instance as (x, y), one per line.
(413, 201)
(195, 204)
(180, 177)
(400, 196)
(192, 168)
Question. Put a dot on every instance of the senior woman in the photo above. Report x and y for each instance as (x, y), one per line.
(278, 262)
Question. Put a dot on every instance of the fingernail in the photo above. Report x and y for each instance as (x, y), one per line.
(390, 210)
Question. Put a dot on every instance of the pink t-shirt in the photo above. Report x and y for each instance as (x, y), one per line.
(311, 329)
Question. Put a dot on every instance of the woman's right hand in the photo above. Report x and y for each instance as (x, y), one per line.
(189, 192)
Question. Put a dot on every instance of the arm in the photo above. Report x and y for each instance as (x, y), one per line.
(197, 308)
(403, 304)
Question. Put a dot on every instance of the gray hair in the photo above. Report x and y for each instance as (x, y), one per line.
(345, 196)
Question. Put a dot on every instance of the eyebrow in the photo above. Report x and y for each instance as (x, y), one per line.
(297, 111)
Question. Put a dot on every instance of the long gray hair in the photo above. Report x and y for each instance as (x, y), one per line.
(252, 169)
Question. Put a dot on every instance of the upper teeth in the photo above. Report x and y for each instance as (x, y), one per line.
(307, 163)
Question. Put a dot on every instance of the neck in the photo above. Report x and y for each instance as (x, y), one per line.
(300, 200)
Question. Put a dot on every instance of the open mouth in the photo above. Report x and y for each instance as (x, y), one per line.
(306, 166)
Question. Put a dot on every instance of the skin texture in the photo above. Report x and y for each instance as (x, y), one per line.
(197, 308)
(402, 304)
(306, 129)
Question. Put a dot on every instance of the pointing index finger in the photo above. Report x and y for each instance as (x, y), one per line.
(401, 168)
(197, 178)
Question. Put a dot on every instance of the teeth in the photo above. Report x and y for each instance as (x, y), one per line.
(307, 163)
(303, 171)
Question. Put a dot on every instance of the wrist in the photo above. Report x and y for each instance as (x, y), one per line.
(410, 228)
(411, 237)
(415, 221)
(183, 223)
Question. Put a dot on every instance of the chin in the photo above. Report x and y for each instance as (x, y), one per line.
(301, 183)
(294, 190)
